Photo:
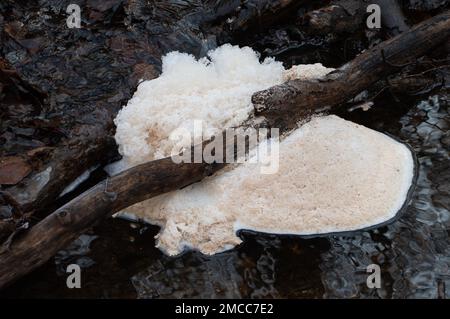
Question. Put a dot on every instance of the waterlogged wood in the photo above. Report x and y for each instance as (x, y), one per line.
(306, 97)
(33, 248)
(346, 16)
(60, 228)
(342, 16)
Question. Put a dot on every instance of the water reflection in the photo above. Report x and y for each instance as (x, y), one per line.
(414, 252)
(263, 267)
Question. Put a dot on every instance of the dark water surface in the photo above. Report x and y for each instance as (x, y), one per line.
(119, 260)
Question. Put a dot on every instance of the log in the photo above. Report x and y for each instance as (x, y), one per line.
(341, 16)
(42, 241)
(346, 16)
(350, 79)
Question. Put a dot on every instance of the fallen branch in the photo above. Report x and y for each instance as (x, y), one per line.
(336, 18)
(301, 98)
(346, 16)
(306, 97)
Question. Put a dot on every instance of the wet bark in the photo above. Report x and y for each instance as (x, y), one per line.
(339, 86)
(346, 16)
(341, 16)
(297, 99)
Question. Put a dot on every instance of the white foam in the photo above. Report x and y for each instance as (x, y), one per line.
(334, 176)
(216, 90)
(306, 72)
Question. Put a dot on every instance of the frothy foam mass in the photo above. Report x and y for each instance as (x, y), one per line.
(334, 175)
(216, 89)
